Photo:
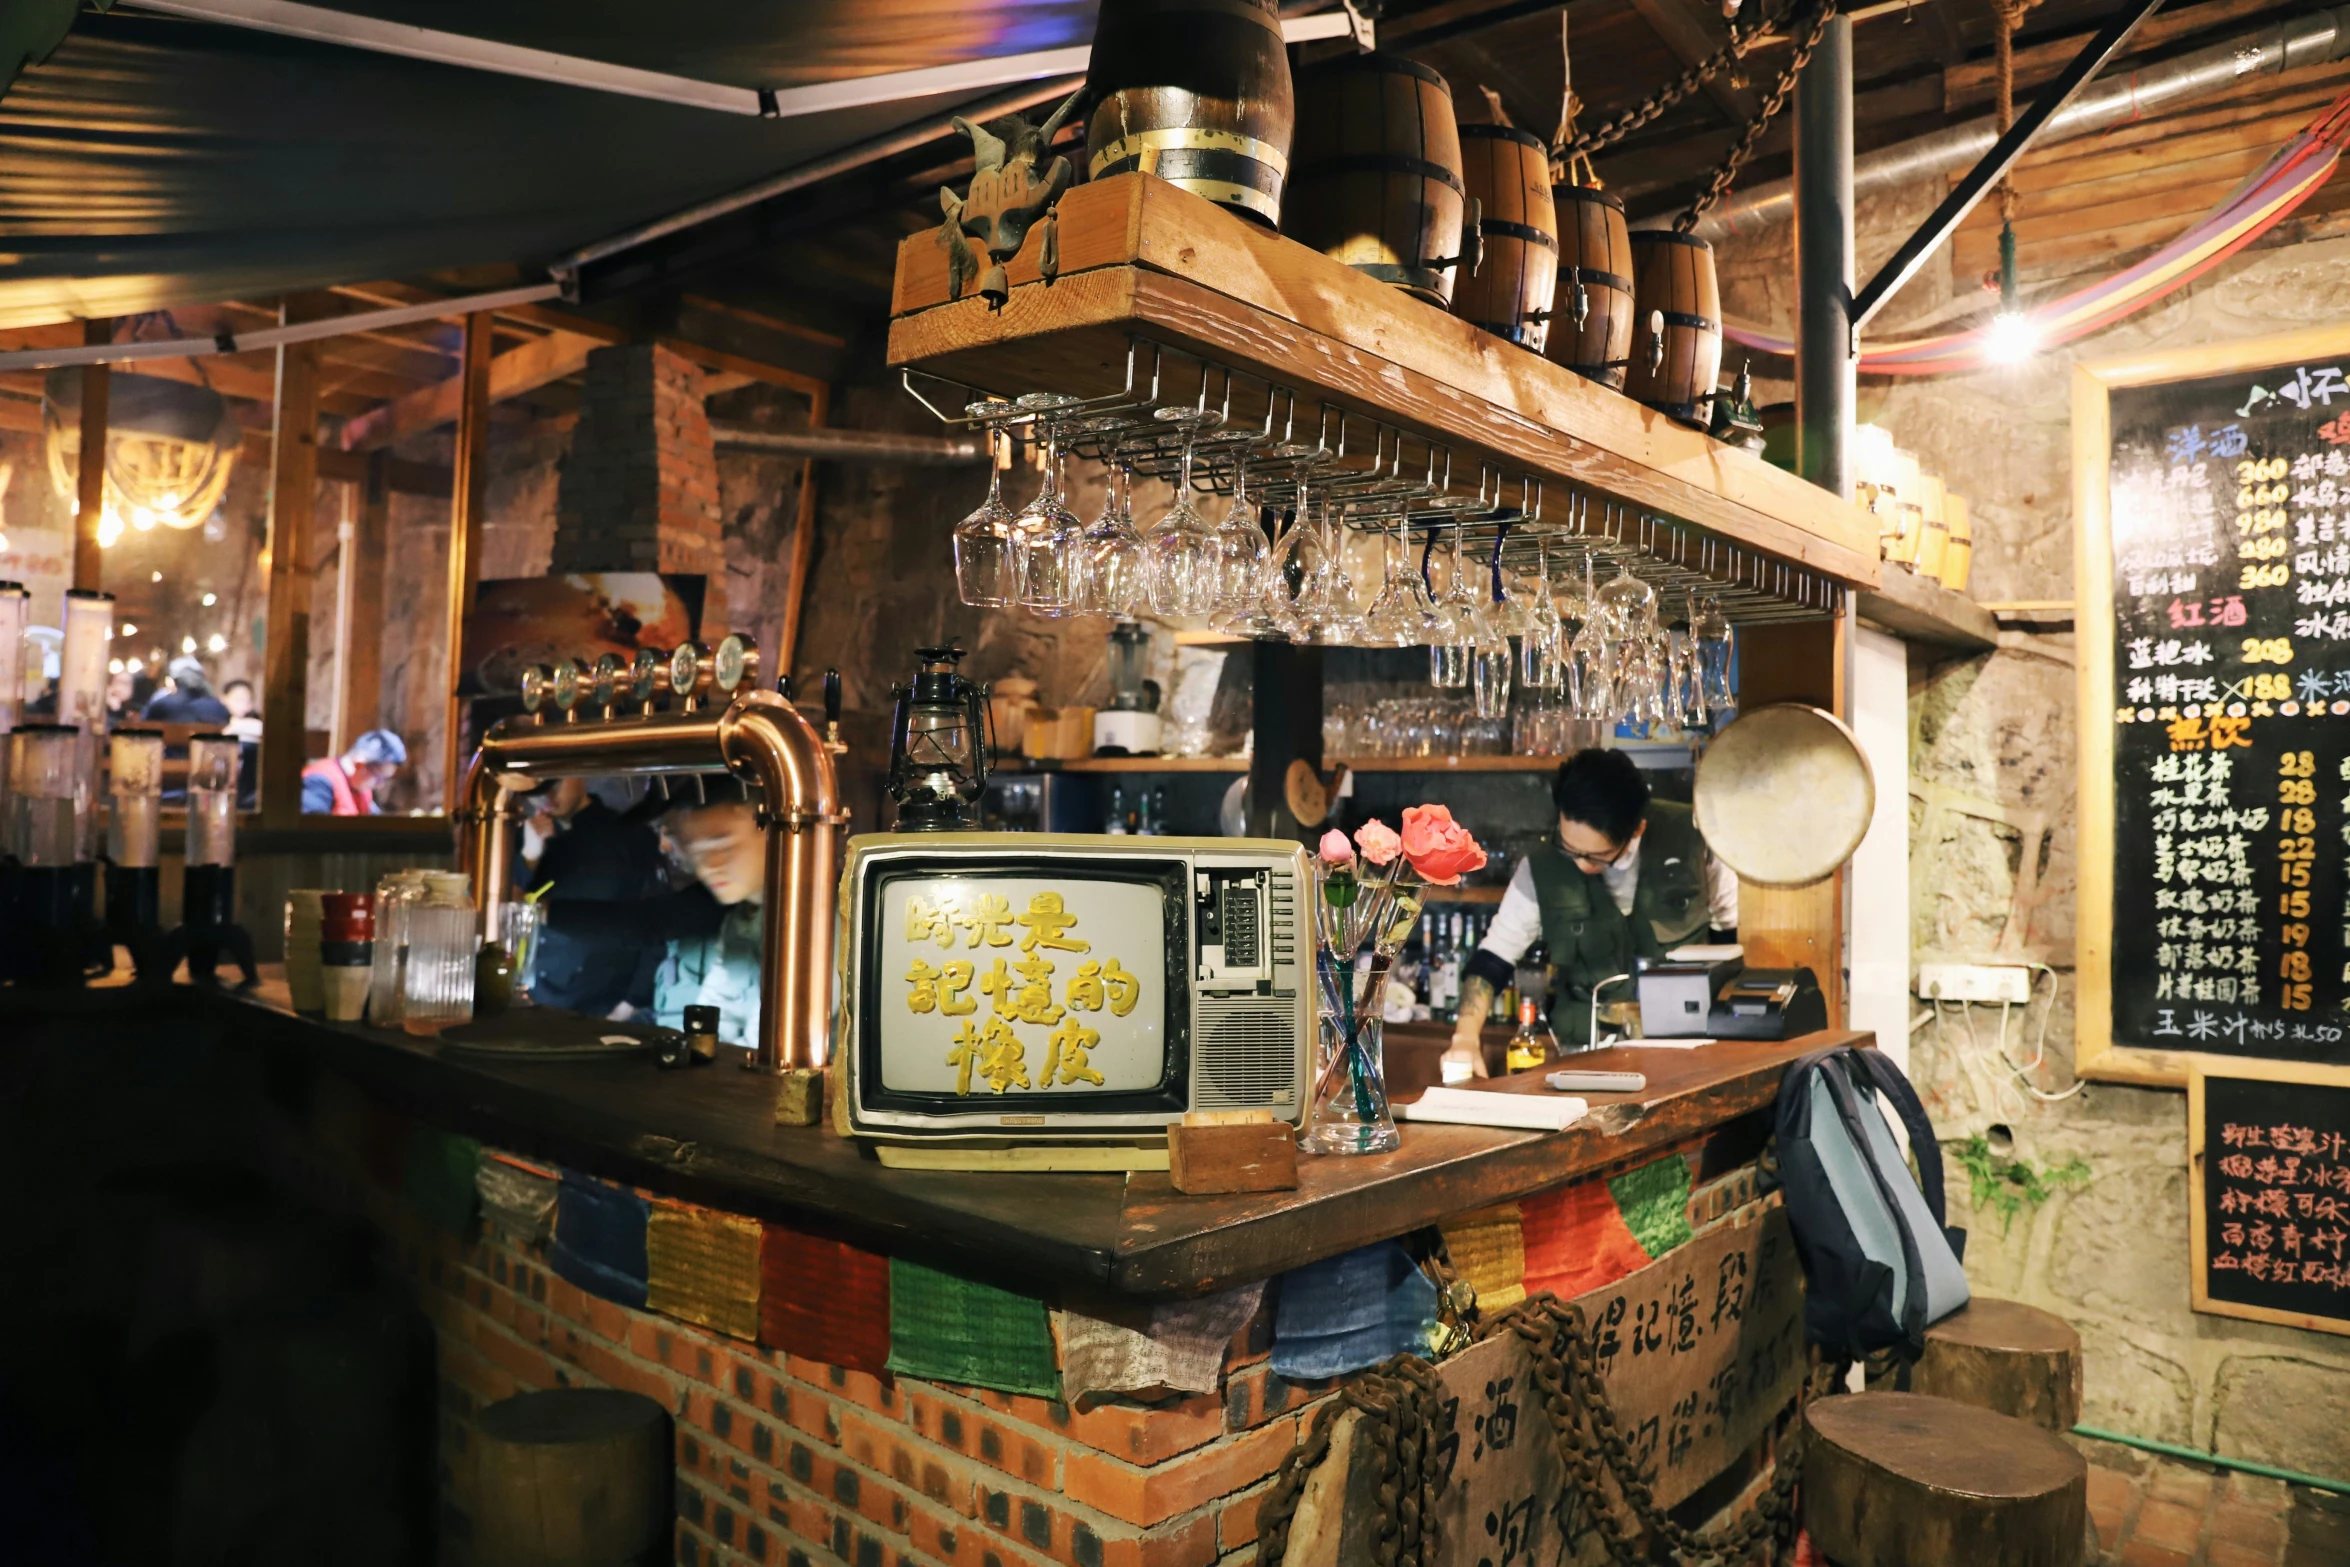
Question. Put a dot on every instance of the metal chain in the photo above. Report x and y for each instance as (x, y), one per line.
(1407, 1423)
(1719, 186)
(1609, 132)
(1406, 1419)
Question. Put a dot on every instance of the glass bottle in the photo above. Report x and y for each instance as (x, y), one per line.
(1530, 1046)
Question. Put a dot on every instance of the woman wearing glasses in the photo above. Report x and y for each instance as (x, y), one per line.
(1628, 877)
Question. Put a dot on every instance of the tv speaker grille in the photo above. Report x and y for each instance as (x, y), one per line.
(1246, 1053)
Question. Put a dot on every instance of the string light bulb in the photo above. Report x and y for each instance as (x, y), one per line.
(2013, 337)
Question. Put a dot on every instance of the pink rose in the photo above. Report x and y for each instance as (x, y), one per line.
(1336, 851)
(1439, 848)
(1378, 841)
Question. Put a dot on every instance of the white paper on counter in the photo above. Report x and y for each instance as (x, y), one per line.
(1657, 1044)
(1544, 1112)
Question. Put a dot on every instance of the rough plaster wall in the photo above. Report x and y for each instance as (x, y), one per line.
(2112, 1256)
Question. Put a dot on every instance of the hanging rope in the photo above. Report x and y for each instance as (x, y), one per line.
(2011, 22)
(1773, 101)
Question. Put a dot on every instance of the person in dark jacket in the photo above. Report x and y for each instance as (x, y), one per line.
(589, 852)
(190, 699)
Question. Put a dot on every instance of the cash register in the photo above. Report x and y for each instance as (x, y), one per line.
(1709, 993)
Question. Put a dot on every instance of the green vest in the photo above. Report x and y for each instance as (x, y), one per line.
(719, 971)
(1590, 940)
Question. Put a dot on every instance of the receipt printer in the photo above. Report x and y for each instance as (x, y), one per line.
(1765, 1003)
(1677, 995)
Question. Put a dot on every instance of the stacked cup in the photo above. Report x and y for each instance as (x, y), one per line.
(303, 905)
(346, 952)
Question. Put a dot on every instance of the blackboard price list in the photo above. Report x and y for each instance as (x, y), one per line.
(2280, 1205)
(2231, 561)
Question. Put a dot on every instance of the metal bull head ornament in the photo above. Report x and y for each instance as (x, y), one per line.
(1008, 196)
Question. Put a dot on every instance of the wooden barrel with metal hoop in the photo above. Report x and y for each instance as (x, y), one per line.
(1591, 333)
(1197, 92)
(1376, 178)
(1676, 324)
(1506, 171)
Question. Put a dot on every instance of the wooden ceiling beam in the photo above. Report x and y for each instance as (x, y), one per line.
(515, 371)
(546, 318)
(1972, 84)
(1691, 37)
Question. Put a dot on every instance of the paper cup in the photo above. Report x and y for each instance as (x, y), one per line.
(345, 990)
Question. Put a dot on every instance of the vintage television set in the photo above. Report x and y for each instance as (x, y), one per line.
(1006, 990)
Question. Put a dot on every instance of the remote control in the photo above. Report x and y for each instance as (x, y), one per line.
(1597, 1082)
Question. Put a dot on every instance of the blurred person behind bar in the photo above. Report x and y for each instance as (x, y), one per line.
(345, 785)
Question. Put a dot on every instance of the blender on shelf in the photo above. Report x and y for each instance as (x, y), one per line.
(1129, 726)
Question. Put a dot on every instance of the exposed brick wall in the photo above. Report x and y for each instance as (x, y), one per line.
(639, 490)
(785, 1460)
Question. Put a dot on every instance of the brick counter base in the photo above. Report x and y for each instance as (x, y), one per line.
(782, 1460)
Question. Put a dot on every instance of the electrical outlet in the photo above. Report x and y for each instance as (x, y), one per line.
(1974, 982)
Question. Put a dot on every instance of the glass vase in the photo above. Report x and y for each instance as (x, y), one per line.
(1348, 1113)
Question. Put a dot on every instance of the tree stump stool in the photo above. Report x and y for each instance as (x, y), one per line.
(1903, 1480)
(576, 1477)
(2006, 1356)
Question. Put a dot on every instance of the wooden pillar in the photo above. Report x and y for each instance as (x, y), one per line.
(466, 504)
(90, 497)
(803, 541)
(293, 501)
(360, 704)
(1795, 927)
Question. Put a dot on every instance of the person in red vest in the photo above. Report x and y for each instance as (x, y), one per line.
(345, 785)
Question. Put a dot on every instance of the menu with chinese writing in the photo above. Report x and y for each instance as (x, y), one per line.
(2271, 1176)
(2229, 521)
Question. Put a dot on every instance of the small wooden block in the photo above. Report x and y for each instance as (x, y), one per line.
(1244, 1157)
(799, 1097)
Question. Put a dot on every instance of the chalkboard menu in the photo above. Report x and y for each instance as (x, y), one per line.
(2220, 728)
(2270, 1165)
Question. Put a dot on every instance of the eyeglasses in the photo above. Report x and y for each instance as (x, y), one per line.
(1609, 858)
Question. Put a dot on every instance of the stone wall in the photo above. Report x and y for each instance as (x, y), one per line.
(1993, 864)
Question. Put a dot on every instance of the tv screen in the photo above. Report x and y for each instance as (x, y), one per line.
(992, 990)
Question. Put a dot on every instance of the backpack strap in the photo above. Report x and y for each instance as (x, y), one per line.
(1851, 1105)
(1922, 1146)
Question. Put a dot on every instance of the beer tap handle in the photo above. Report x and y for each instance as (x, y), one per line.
(832, 738)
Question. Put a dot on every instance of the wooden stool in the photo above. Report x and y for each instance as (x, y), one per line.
(576, 1477)
(2007, 1356)
(1902, 1480)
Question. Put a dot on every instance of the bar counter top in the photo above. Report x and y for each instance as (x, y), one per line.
(707, 1135)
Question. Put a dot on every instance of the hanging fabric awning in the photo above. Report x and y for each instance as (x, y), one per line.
(151, 161)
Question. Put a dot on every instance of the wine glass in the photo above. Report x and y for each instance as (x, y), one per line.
(1395, 618)
(1182, 548)
(1327, 606)
(1048, 562)
(1292, 569)
(1492, 664)
(1541, 642)
(983, 544)
(1240, 550)
(1113, 553)
(1714, 647)
(1456, 610)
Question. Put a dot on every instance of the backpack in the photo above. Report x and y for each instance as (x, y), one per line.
(1879, 1263)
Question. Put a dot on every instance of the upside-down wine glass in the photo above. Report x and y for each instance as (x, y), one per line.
(1113, 553)
(1541, 643)
(1045, 541)
(1449, 651)
(1240, 550)
(1492, 664)
(1182, 547)
(1394, 618)
(1714, 648)
(983, 543)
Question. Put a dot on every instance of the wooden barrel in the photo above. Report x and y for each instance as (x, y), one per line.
(1198, 93)
(1376, 180)
(1595, 251)
(1673, 286)
(1506, 171)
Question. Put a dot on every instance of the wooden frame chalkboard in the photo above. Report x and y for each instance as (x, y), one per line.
(2308, 1188)
(2113, 1040)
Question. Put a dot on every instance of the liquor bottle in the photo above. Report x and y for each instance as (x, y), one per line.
(1443, 1002)
(1116, 825)
(1529, 1048)
(1415, 953)
(1158, 826)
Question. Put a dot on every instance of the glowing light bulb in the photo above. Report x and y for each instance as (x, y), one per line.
(128, 630)
(114, 666)
(155, 576)
(109, 529)
(187, 644)
(209, 600)
(2013, 338)
(135, 665)
(143, 519)
(216, 643)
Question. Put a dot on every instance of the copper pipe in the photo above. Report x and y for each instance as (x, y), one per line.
(760, 738)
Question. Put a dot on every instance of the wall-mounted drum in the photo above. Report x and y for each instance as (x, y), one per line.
(1376, 178)
(1592, 335)
(1506, 171)
(1198, 93)
(1676, 324)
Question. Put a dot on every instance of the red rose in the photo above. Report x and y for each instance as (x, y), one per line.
(1438, 848)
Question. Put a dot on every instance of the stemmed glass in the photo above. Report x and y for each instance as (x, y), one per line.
(1113, 553)
(1047, 562)
(1712, 630)
(1182, 548)
(1542, 641)
(1327, 607)
(983, 543)
(1240, 551)
(1492, 665)
(1293, 568)
(1395, 618)
(1456, 620)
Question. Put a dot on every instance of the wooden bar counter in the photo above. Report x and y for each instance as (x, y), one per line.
(815, 1418)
